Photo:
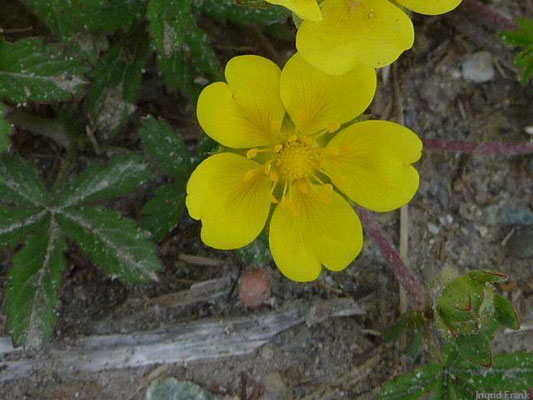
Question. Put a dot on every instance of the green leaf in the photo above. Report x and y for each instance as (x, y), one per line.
(112, 242)
(229, 10)
(483, 276)
(475, 348)
(121, 176)
(523, 38)
(162, 213)
(258, 252)
(184, 49)
(414, 385)
(509, 372)
(118, 77)
(505, 313)
(66, 17)
(5, 129)
(19, 183)
(33, 71)
(166, 147)
(34, 282)
(15, 223)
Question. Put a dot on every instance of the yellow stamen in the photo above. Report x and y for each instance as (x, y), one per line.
(277, 148)
(252, 153)
(292, 138)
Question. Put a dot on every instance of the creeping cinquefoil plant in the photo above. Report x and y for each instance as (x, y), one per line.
(290, 146)
(337, 35)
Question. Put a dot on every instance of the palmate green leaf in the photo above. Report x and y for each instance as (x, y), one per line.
(118, 77)
(522, 38)
(19, 183)
(414, 385)
(166, 147)
(66, 17)
(112, 242)
(15, 223)
(229, 10)
(34, 282)
(162, 213)
(121, 176)
(184, 49)
(5, 129)
(33, 71)
(460, 381)
(509, 372)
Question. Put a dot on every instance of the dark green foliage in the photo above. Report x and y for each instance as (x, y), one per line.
(33, 71)
(163, 212)
(121, 176)
(166, 148)
(117, 80)
(19, 183)
(184, 50)
(510, 372)
(168, 153)
(5, 129)
(28, 212)
(113, 242)
(259, 12)
(34, 282)
(523, 39)
(65, 18)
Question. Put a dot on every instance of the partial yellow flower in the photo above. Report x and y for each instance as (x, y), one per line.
(352, 32)
(292, 156)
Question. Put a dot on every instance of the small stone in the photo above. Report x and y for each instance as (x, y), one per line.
(433, 229)
(273, 383)
(255, 288)
(172, 389)
(479, 67)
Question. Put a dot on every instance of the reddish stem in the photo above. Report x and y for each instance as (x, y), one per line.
(490, 148)
(488, 16)
(406, 278)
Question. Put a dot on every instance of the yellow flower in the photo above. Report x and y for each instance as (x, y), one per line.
(288, 147)
(346, 33)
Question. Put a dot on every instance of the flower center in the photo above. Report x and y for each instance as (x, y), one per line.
(296, 160)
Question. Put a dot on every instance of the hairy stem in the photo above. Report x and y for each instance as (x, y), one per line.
(490, 148)
(406, 277)
(488, 16)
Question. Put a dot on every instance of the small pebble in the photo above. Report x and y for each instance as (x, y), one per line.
(479, 67)
(433, 229)
(255, 288)
(274, 384)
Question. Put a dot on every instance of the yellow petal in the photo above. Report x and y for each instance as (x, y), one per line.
(352, 32)
(433, 7)
(371, 161)
(316, 100)
(314, 229)
(231, 195)
(246, 111)
(305, 9)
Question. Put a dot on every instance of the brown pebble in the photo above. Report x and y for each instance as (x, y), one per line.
(255, 288)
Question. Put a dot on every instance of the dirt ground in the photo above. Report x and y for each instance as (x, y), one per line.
(471, 211)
